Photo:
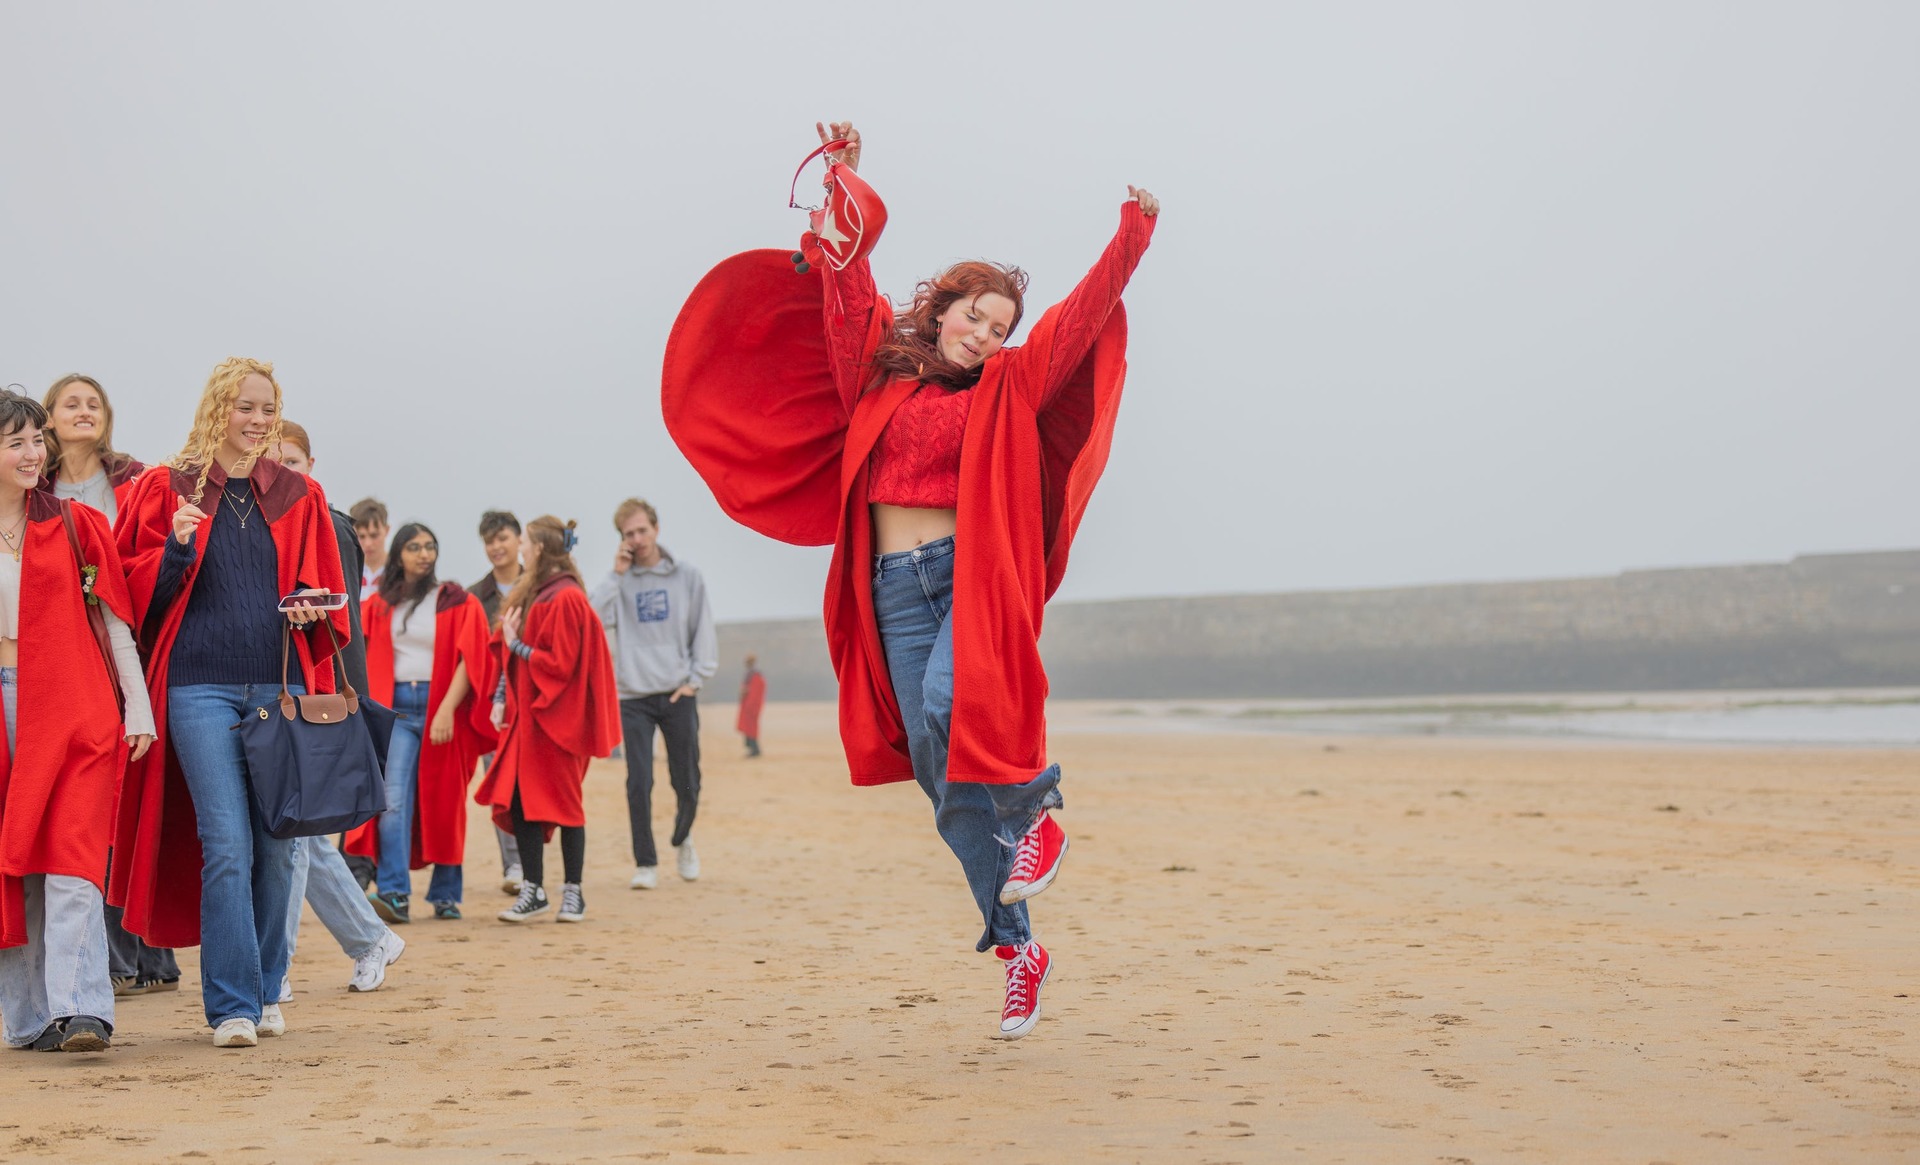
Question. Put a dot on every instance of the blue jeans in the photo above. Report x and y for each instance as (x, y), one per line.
(403, 776)
(246, 877)
(913, 599)
(321, 877)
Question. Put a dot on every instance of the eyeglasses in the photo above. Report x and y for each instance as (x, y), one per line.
(421, 547)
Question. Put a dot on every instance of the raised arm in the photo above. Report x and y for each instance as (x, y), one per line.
(851, 298)
(1065, 334)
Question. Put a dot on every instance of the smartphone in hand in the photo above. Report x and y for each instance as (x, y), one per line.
(324, 601)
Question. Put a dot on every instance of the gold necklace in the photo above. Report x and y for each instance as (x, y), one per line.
(243, 515)
(16, 541)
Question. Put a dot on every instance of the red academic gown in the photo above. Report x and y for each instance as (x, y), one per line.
(753, 696)
(440, 792)
(562, 709)
(775, 414)
(156, 849)
(57, 791)
(121, 476)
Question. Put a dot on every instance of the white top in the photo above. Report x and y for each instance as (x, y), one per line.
(93, 492)
(9, 595)
(126, 657)
(413, 647)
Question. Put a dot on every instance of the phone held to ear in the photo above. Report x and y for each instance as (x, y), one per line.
(322, 601)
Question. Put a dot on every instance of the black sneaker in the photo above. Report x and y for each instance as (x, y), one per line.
(49, 1040)
(573, 904)
(392, 908)
(85, 1033)
(531, 904)
(447, 910)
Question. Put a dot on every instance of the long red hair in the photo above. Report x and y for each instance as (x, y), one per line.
(912, 351)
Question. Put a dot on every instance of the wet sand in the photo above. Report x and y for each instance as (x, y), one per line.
(1269, 948)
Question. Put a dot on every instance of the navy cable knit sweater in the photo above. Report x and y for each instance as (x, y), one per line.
(231, 632)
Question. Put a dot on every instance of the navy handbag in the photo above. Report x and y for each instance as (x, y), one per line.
(312, 764)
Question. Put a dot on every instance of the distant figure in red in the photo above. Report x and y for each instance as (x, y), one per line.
(949, 471)
(556, 708)
(753, 695)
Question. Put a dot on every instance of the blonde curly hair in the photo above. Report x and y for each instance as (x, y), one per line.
(211, 418)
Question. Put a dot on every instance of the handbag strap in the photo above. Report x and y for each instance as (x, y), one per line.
(793, 194)
(339, 667)
(95, 620)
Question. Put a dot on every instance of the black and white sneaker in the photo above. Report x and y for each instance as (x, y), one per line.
(531, 904)
(573, 904)
(85, 1033)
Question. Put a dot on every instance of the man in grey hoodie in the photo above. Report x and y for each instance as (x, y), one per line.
(664, 648)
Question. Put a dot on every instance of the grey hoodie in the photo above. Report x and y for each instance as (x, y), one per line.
(659, 626)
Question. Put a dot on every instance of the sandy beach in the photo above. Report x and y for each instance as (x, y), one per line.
(1268, 948)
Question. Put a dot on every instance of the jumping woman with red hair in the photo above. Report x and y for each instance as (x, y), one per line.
(949, 472)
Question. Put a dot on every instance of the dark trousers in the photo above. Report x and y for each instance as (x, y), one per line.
(532, 839)
(128, 954)
(679, 723)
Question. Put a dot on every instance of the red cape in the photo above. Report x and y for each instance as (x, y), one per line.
(769, 407)
(120, 476)
(562, 709)
(156, 846)
(753, 695)
(57, 791)
(440, 793)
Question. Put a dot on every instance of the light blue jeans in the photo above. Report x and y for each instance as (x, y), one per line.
(61, 971)
(396, 824)
(246, 877)
(321, 878)
(913, 599)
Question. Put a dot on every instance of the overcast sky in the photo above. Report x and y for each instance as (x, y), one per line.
(1441, 292)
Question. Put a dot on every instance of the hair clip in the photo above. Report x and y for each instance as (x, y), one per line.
(569, 539)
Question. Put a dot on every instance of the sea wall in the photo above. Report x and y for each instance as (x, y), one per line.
(1833, 620)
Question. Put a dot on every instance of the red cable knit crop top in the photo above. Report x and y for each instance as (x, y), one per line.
(916, 462)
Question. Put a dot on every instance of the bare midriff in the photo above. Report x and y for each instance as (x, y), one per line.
(9, 653)
(899, 528)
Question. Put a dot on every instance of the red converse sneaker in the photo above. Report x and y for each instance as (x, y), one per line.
(1027, 969)
(1035, 861)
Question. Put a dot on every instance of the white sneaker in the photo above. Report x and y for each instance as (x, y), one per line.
(235, 1033)
(272, 1023)
(370, 969)
(689, 861)
(644, 878)
(286, 989)
(510, 881)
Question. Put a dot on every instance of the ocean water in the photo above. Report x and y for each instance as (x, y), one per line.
(1862, 718)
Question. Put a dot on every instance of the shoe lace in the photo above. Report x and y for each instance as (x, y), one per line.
(1021, 969)
(529, 897)
(1026, 856)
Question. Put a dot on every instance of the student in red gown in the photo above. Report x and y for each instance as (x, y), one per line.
(83, 466)
(557, 708)
(427, 644)
(66, 746)
(753, 697)
(949, 470)
(212, 543)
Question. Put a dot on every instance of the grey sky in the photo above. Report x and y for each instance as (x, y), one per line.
(1442, 291)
